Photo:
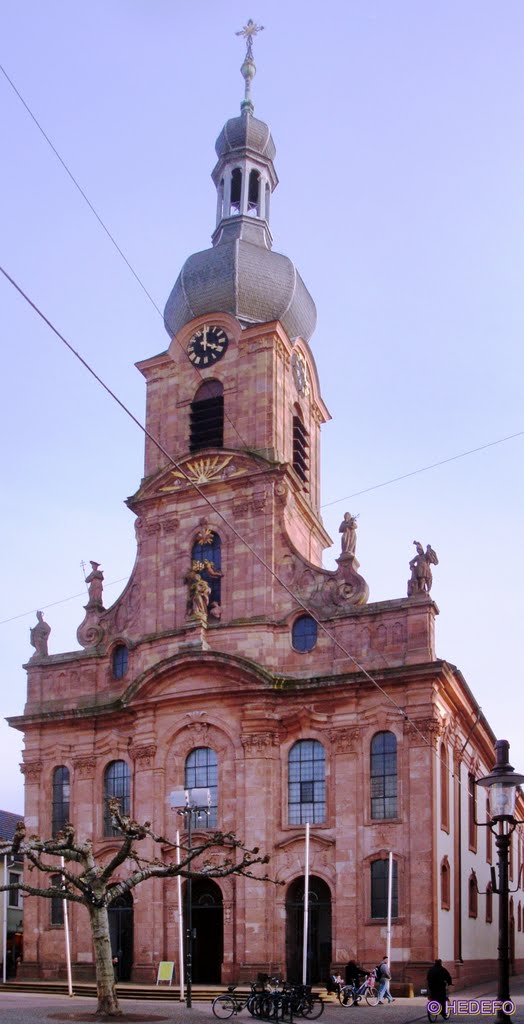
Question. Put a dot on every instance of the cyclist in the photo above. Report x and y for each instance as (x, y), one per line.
(438, 979)
(353, 975)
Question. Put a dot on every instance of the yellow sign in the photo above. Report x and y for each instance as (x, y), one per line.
(165, 971)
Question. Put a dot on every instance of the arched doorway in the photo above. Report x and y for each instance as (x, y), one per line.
(319, 930)
(208, 931)
(121, 932)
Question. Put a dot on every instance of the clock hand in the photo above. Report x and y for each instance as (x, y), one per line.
(204, 338)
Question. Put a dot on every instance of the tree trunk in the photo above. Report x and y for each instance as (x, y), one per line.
(105, 975)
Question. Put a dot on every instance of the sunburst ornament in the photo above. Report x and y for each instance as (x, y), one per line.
(198, 471)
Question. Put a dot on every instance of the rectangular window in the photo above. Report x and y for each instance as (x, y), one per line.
(57, 904)
(379, 889)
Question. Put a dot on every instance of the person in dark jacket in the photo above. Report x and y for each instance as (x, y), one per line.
(353, 974)
(438, 979)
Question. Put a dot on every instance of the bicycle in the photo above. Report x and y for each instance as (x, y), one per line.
(229, 1003)
(443, 1007)
(350, 994)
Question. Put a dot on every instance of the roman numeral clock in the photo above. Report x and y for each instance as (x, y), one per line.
(207, 345)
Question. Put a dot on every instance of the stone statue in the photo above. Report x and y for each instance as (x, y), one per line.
(39, 635)
(420, 565)
(95, 584)
(198, 598)
(348, 529)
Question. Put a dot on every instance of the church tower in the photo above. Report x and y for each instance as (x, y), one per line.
(236, 398)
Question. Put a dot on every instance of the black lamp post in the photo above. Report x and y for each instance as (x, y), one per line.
(189, 802)
(502, 783)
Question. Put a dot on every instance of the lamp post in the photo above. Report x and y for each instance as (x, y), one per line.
(502, 783)
(189, 802)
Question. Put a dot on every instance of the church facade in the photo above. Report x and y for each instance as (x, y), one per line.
(233, 661)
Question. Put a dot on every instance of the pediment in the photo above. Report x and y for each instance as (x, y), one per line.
(202, 468)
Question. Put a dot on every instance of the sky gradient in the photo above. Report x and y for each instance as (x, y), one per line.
(400, 154)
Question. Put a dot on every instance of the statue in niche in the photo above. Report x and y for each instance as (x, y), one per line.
(95, 584)
(421, 575)
(348, 529)
(198, 598)
(39, 635)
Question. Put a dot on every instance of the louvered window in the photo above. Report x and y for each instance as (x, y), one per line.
(207, 417)
(300, 448)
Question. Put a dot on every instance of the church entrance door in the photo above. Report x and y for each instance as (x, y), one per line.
(121, 933)
(208, 931)
(319, 930)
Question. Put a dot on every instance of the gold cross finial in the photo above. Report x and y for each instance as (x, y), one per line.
(250, 30)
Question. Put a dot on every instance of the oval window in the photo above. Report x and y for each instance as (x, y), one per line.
(304, 633)
(120, 661)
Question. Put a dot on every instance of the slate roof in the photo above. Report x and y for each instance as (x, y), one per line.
(8, 823)
(254, 284)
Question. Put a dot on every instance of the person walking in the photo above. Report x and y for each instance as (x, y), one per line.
(383, 980)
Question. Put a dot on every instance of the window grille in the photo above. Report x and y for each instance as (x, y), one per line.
(307, 783)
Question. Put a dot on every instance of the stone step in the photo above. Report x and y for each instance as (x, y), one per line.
(127, 990)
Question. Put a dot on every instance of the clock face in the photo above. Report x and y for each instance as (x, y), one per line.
(207, 346)
(298, 365)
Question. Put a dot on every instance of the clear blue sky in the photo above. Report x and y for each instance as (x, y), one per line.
(399, 134)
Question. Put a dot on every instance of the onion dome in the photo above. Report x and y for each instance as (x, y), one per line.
(240, 274)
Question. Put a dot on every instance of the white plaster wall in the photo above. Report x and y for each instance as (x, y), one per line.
(444, 847)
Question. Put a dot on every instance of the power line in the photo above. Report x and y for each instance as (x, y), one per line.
(425, 469)
(355, 494)
(53, 604)
(105, 228)
(221, 516)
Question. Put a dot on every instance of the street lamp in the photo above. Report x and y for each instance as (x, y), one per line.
(189, 802)
(502, 784)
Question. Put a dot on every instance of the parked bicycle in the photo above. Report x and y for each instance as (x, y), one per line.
(232, 1002)
(350, 994)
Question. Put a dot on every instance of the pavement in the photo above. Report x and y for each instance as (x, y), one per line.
(471, 1005)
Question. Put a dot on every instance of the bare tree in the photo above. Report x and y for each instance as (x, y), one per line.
(96, 885)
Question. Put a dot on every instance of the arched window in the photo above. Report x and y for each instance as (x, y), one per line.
(268, 200)
(489, 834)
(61, 794)
(472, 812)
(201, 772)
(117, 783)
(384, 775)
(307, 783)
(444, 787)
(119, 661)
(236, 192)
(304, 633)
(379, 888)
(489, 903)
(207, 417)
(300, 446)
(220, 201)
(445, 886)
(253, 197)
(473, 895)
(210, 552)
